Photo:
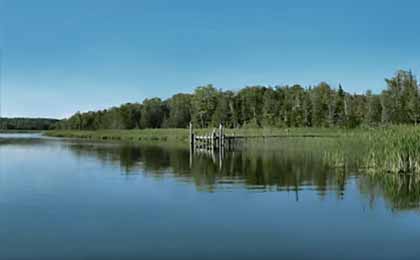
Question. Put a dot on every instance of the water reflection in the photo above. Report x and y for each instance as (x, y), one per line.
(253, 169)
(122, 201)
(256, 170)
(291, 168)
(401, 192)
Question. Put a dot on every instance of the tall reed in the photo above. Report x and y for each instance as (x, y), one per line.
(394, 149)
(380, 150)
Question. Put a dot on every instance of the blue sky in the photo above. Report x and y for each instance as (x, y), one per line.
(60, 57)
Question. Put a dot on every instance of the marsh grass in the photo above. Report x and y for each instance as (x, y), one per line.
(395, 149)
(380, 150)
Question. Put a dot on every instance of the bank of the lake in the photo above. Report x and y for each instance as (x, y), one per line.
(2, 131)
(393, 149)
(181, 135)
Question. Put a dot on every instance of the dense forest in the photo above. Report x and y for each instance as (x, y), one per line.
(27, 123)
(261, 106)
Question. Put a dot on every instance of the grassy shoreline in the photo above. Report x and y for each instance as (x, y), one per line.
(393, 149)
(158, 135)
(182, 135)
(20, 131)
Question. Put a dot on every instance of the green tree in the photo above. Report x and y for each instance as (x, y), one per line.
(204, 103)
(374, 109)
(251, 100)
(339, 109)
(153, 113)
(321, 105)
(224, 111)
(180, 109)
(402, 98)
(271, 107)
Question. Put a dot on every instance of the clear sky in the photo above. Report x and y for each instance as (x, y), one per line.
(63, 56)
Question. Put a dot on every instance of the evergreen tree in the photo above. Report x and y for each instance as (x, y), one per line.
(339, 112)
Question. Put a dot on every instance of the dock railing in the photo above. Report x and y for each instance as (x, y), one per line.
(216, 140)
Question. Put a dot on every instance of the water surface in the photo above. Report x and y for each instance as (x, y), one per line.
(64, 199)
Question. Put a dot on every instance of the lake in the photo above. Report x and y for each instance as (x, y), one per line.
(69, 199)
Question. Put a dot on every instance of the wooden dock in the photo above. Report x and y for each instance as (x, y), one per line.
(216, 140)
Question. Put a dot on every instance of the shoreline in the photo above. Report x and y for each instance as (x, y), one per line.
(182, 135)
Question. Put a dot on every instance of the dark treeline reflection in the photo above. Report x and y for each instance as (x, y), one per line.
(252, 168)
(22, 140)
(400, 192)
(292, 166)
(255, 169)
(132, 158)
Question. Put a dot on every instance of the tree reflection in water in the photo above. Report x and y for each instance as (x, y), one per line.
(260, 170)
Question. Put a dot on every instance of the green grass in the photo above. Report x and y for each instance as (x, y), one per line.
(393, 149)
(146, 135)
(181, 135)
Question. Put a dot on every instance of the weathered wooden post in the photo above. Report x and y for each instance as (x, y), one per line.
(191, 136)
(220, 136)
(212, 140)
(191, 145)
(220, 159)
(223, 136)
(209, 141)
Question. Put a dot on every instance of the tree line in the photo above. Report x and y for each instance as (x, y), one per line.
(27, 123)
(261, 106)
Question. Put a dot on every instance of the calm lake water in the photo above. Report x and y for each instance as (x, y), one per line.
(62, 199)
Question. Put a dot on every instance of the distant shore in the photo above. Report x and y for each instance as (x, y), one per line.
(181, 135)
(20, 131)
(392, 149)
